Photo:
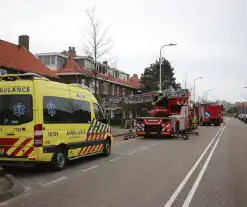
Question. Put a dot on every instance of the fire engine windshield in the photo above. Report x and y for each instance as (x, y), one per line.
(162, 103)
(15, 109)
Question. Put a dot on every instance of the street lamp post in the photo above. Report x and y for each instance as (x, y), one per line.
(160, 62)
(195, 87)
(207, 94)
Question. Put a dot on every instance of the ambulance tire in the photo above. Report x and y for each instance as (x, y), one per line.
(107, 147)
(59, 159)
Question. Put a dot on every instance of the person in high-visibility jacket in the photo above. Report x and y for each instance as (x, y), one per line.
(157, 97)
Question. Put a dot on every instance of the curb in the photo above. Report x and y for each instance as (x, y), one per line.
(16, 189)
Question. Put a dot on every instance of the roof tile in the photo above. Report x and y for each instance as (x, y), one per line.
(18, 58)
(72, 66)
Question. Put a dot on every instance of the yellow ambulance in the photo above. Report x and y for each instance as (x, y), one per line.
(42, 121)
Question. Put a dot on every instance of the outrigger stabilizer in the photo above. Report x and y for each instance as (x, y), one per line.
(185, 134)
(191, 132)
(179, 135)
(129, 136)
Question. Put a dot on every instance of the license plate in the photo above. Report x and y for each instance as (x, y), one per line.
(152, 132)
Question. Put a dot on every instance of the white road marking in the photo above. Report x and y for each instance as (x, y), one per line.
(154, 144)
(90, 168)
(54, 181)
(114, 159)
(144, 148)
(131, 153)
(198, 180)
(187, 177)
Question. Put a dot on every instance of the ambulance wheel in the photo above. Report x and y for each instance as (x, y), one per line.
(107, 147)
(59, 160)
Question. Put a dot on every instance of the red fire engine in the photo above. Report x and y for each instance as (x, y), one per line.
(169, 115)
(209, 113)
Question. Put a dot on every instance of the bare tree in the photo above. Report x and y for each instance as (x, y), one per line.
(97, 44)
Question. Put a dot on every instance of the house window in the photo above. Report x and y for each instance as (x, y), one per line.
(46, 60)
(113, 87)
(83, 81)
(123, 91)
(105, 91)
(52, 60)
(97, 85)
(60, 61)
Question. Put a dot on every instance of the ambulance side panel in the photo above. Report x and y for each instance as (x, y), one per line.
(81, 142)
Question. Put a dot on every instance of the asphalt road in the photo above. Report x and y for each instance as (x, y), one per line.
(207, 170)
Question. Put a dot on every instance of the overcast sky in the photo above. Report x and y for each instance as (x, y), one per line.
(211, 36)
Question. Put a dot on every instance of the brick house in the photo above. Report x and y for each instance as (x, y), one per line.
(112, 84)
(67, 67)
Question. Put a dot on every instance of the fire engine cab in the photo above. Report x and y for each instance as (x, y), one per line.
(209, 113)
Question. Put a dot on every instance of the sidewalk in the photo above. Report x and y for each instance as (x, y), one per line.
(9, 186)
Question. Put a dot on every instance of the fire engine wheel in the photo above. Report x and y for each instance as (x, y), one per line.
(59, 160)
(107, 148)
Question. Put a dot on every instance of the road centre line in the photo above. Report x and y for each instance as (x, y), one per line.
(198, 179)
(144, 148)
(187, 177)
(54, 181)
(90, 168)
(131, 153)
(114, 159)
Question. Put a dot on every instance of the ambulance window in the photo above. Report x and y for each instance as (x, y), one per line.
(82, 111)
(16, 109)
(98, 112)
(57, 110)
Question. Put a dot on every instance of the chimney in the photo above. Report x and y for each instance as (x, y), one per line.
(24, 41)
(71, 52)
